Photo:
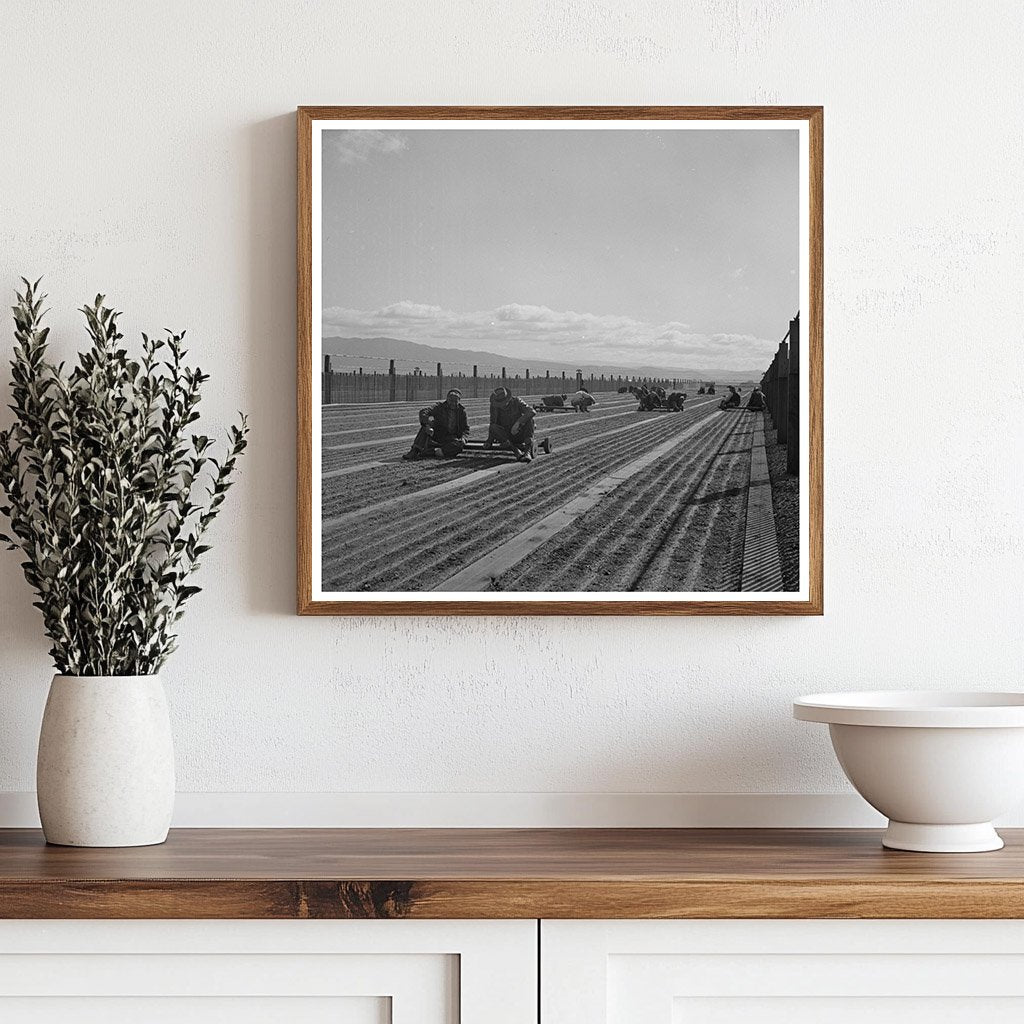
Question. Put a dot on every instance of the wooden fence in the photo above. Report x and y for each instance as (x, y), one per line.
(781, 387)
(356, 386)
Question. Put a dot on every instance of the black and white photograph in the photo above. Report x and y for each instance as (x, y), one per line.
(559, 360)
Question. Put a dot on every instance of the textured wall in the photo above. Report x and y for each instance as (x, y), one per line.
(150, 154)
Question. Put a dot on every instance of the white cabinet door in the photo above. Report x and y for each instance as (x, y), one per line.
(258, 972)
(782, 972)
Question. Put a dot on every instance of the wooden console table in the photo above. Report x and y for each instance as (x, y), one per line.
(495, 926)
(507, 874)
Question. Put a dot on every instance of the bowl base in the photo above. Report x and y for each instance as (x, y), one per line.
(979, 838)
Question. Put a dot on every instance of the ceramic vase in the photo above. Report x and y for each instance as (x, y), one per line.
(105, 771)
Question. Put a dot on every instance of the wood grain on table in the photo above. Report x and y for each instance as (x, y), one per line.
(508, 873)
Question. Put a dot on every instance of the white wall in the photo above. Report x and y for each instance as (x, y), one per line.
(147, 150)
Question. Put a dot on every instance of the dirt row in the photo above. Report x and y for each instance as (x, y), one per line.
(363, 487)
(427, 473)
(672, 527)
(342, 494)
(786, 505)
(385, 437)
(376, 416)
(703, 549)
(416, 545)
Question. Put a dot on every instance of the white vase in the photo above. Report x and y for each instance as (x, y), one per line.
(105, 771)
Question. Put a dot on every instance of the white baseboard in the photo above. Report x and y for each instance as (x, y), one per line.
(494, 810)
(503, 810)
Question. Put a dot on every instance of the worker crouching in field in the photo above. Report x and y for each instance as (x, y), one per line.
(444, 426)
(756, 400)
(649, 398)
(731, 400)
(511, 424)
(583, 400)
(554, 401)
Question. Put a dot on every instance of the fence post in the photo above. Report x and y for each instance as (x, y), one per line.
(579, 379)
(503, 373)
(527, 373)
(773, 376)
(439, 382)
(793, 448)
(327, 381)
(782, 425)
(391, 381)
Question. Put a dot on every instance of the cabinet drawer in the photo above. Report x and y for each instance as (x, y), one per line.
(782, 972)
(299, 972)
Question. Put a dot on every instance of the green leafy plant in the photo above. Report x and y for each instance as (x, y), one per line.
(109, 495)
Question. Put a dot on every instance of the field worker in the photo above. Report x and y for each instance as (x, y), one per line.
(700, 391)
(511, 424)
(583, 400)
(731, 400)
(444, 426)
(554, 401)
(649, 400)
(675, 401)
(756, 400)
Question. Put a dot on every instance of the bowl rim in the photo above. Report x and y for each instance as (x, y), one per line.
(945, 709)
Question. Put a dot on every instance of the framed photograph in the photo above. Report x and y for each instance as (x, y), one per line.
(560, 360)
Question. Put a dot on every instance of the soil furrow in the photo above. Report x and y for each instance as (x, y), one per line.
(629, 532)
(703, 547)
(635, 432)
(598, 551)
(476, 412)
(564, 428)
(341, 495)
(486, 511)
(435, 542)
(543, 426)
(428, 467)
(370, 408)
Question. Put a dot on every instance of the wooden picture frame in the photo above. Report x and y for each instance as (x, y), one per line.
(807, 600)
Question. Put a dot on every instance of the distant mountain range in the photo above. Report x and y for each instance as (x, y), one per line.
(375, 353)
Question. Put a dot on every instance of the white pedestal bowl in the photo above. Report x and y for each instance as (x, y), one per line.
(940, 766)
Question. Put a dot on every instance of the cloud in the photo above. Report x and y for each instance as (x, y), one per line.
(526, 331)
(356, 146)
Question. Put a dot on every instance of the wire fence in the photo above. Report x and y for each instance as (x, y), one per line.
(354, 386)
(781, 387)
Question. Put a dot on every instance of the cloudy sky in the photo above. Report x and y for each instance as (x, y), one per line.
(674, 248)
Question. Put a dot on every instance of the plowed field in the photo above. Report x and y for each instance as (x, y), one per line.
(627, 501)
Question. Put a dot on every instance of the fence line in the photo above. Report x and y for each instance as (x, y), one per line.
(356, 386)
(781, 387)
